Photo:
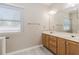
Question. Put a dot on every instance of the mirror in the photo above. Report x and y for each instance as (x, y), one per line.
(67, 20)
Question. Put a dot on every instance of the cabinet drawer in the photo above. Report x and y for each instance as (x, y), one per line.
(53, 38)
(52, 43)
(53, 48)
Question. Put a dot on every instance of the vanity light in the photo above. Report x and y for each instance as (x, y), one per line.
(70, 5)
(52, 12)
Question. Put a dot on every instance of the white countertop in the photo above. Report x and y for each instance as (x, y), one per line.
(64, 35)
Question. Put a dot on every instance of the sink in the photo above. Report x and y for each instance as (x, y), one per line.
(73, 36)
(51, 32)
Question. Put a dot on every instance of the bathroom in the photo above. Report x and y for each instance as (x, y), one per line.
(39, 29)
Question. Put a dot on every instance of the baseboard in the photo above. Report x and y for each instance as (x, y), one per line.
(22, 50)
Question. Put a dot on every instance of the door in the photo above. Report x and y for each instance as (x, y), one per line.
(72, 48)
(52, 44)
(60, 46)
(45, 40)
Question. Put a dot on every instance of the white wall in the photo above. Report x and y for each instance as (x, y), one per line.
(31, 35)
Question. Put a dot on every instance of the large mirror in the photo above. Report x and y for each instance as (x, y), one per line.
(67, 20)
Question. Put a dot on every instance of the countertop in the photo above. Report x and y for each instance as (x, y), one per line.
(64, 35)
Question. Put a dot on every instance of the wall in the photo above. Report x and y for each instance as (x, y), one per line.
(33, 24)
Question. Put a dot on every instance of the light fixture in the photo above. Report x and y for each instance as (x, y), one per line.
(70, 5)
(52, 12)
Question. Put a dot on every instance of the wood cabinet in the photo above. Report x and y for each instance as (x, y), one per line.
(72, 48)
(45, 40)
(60, 46)
(52, 44)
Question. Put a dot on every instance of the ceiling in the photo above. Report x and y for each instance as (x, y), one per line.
(58, 6)
(50, 6)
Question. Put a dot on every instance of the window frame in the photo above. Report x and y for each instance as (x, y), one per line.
(21, 18)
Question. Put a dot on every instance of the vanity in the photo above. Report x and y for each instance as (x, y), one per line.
(64, 40)
(61, 43)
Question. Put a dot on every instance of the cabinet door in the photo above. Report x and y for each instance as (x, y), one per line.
(52, 44)
(60, 46)
(45, 40)
(72, 48)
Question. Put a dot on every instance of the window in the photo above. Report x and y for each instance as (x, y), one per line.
(10, 18)
(66, 24)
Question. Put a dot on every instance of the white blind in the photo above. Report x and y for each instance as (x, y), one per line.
(10, 18)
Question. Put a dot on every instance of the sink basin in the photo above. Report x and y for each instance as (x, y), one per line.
(73, 36)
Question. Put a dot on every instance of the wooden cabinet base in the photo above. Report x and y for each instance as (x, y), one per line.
(52, 44)
(60, 46)
(50, 50)
(72, 48)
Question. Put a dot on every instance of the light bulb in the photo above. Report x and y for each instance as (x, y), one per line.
(52, 12)
(70, 5)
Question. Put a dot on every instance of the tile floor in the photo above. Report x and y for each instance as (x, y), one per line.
(37, 51)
